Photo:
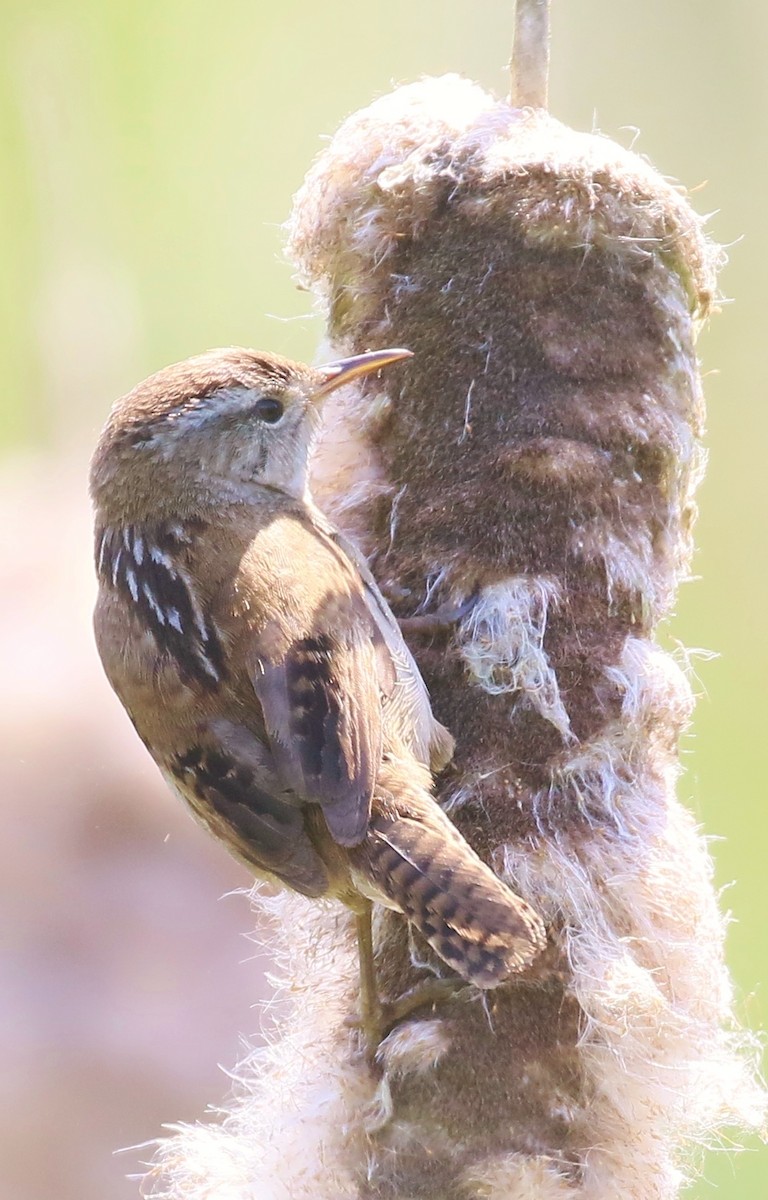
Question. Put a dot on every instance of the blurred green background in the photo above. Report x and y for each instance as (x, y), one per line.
(148, 154)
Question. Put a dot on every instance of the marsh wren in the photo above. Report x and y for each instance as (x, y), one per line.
(264, 671)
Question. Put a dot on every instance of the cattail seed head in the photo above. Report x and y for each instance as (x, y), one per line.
(538, 456)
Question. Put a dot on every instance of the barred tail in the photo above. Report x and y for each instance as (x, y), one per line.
(425, 868)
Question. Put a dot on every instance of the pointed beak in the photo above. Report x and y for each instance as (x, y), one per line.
(336, 374)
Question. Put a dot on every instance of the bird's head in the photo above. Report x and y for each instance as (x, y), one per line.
(210, 428)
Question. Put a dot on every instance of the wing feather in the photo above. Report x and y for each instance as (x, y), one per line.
(229, 780)
(320, 670)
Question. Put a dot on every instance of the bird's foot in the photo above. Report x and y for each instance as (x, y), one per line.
(442, 618)
(428, 993)
(376, 1020)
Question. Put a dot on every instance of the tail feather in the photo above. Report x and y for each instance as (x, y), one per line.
(418, 859)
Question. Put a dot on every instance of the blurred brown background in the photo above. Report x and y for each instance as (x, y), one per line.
(148, 153)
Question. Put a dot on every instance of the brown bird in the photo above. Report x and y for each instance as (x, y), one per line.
(263, 669)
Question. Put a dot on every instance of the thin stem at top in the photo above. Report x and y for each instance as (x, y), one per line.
(529, 67)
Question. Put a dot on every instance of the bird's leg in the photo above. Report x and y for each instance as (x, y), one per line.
(442, 618)
(371, 1010)
(377, 1017)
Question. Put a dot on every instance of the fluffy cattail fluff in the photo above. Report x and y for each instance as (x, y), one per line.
(539, 455)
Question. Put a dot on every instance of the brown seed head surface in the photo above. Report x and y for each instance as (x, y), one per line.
(537, 456)
(540, 453)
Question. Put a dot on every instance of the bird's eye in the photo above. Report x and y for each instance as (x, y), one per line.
(268, 409)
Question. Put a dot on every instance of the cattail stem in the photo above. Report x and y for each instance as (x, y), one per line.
(529, 67)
